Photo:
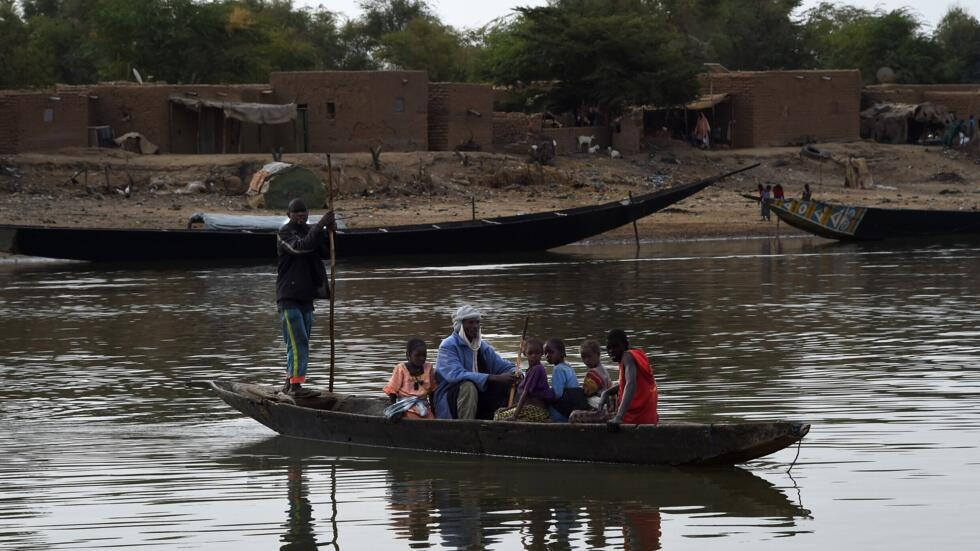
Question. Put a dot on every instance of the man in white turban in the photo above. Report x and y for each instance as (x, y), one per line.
(473, 380)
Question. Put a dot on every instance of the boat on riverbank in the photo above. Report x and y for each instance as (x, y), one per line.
(359, 420)
(529, 232)
(852, 223)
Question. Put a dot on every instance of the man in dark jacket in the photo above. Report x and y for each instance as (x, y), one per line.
(301, 279)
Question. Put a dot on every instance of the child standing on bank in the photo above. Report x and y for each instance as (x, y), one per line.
(413, 378)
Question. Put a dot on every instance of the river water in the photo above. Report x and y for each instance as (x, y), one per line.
(877, 346)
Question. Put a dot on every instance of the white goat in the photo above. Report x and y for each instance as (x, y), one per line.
(593, 149)
(585, 142)
(613, 153)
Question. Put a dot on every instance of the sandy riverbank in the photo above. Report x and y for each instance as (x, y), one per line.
(38, 189)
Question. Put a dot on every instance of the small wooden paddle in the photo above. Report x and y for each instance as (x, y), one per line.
(517, 364)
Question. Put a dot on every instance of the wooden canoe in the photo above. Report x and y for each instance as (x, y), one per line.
(357, 420)
(852, 223)
(530, 232)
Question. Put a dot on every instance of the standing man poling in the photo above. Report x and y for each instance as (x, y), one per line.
(301, 279)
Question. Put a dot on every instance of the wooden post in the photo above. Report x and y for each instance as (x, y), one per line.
(170, 127)
(473, 199)
(333, 270)
(636, 231)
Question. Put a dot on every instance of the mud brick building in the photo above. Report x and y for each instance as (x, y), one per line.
(778, 108)
(962, 100)
(148, 109)
(348, 111)
(42, 120)
(460, 116)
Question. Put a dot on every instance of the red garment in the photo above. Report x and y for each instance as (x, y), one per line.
(777, 192)
(643, 409)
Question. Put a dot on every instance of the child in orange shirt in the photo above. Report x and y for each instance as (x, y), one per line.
(413, 379)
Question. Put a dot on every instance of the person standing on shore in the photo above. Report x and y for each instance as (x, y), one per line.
(764, 202)
(807, 194)
(301, 278)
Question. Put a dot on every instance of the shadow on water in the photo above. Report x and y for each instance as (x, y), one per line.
(472, 503)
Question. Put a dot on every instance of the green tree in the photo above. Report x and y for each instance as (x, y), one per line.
(426, 44)
(846, 37)
(740, 34)
(958, 36)
(598, 53)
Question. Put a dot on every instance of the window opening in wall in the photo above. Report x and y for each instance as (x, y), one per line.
(399, 105)
(331, 110)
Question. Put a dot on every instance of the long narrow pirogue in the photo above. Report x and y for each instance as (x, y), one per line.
(529, 232)
(853, 223)
(359, 420)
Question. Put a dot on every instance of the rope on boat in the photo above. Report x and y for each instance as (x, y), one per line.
(799, 444)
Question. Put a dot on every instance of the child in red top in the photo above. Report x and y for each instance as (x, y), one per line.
(637, 388)
(413, 378)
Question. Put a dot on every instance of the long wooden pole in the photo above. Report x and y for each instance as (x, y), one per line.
(333, 268)
(517, 364)
(636, 231)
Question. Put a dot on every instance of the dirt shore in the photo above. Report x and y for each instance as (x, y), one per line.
(86, 187)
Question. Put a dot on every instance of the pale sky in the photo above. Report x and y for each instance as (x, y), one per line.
(476, 13)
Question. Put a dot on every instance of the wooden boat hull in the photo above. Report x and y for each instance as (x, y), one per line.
(850, 223)
(531, 232)
(353, 420)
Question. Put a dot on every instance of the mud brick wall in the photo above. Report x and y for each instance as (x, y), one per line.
(962, 99)
(352, 111)
(777, 108)
(627, 135)
(146, 109)
(870, 97)
(513, 128)
(962, 104)
(742, 90)
(42, 121)
(459, 113)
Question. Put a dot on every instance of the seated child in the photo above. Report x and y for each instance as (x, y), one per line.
(413, 379)
(535, 395)
(564, 384)
(596, 378)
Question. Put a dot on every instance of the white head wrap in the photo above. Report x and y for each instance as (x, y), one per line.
(467, 312)
(464, 312)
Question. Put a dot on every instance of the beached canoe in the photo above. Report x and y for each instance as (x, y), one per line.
(358, 420)
(851, 223)
(528, 232)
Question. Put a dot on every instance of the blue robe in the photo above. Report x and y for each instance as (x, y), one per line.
(455, 365)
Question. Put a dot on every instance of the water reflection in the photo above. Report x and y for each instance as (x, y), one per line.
(467, 503)
(875, 345)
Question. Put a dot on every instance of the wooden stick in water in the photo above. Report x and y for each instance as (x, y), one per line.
(333, 269)
(517, 364)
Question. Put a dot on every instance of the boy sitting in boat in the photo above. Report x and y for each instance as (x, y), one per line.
(564, 383)
(411, 384)
(637, 388)
(596, 379)
(535, 394)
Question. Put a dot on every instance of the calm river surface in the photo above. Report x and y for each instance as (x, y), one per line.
(877, 346)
